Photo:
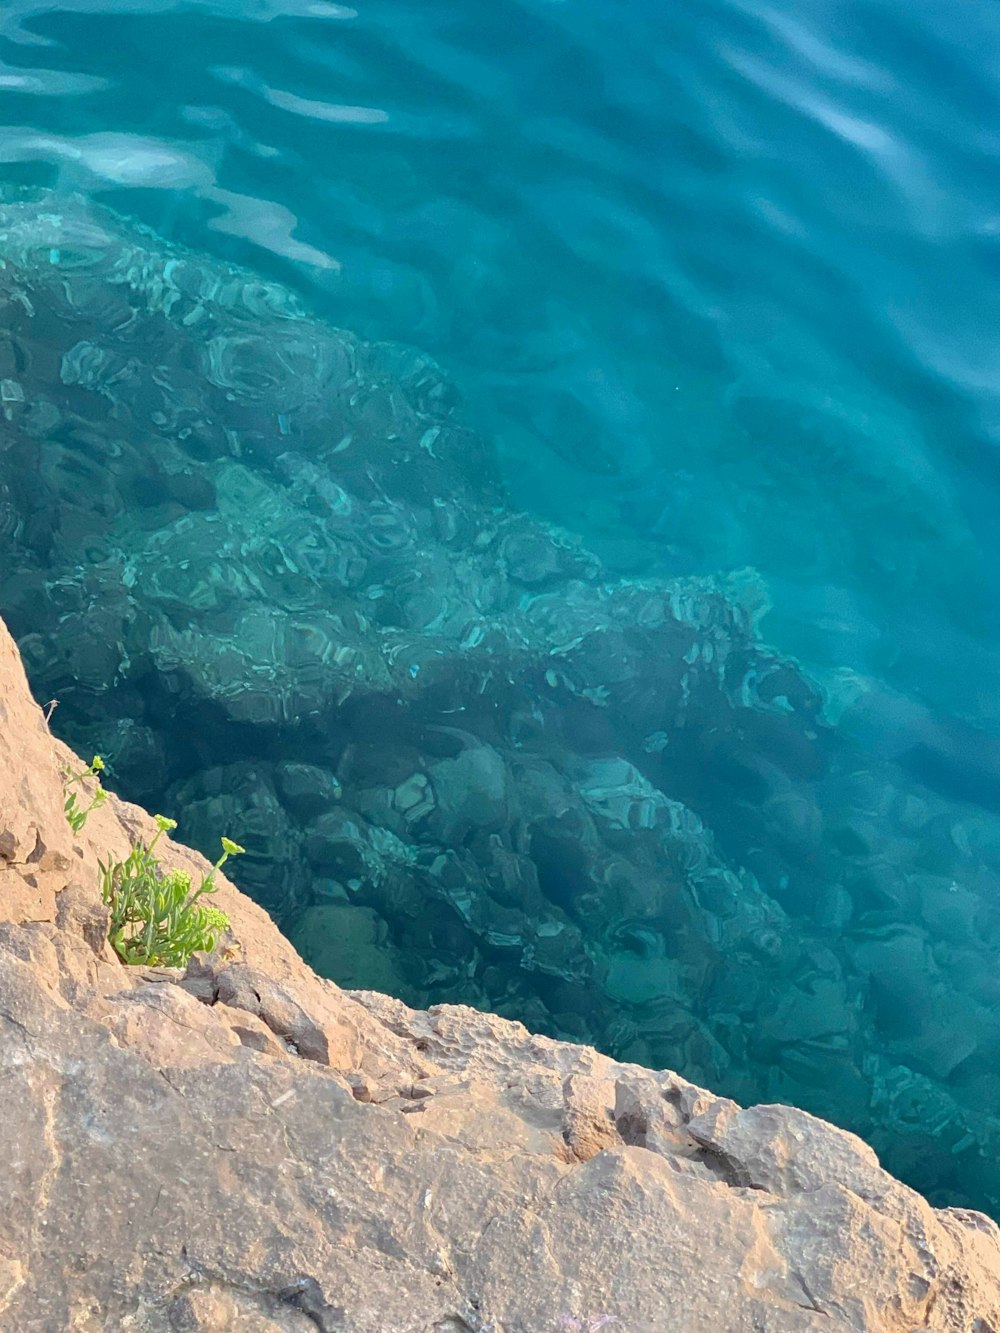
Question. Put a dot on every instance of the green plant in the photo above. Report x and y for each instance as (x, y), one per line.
(75, 813)
(156, 917)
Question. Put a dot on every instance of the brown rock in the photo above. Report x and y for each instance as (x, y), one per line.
(79, 911)
(588, 1123)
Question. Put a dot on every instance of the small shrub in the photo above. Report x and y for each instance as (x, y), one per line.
(76, 814)
(157, 917)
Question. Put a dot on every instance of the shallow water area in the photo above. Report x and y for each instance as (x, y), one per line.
(531, 475)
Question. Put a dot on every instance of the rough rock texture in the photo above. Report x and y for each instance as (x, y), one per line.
(245, 1146)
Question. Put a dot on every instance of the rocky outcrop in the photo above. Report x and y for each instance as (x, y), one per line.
(246, 1146)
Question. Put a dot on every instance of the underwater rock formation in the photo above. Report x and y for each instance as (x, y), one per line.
(270, 574)
(243, 1146)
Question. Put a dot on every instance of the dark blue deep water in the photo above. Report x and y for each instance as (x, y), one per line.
(717, 282)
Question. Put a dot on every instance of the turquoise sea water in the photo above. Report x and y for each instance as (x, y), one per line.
(718, 283)
(720, 277)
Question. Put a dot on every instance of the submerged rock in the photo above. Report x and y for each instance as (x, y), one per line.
(244, 1146)
(270, 573)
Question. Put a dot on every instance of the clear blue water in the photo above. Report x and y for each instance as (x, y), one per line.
(718, 279)
(732, 266)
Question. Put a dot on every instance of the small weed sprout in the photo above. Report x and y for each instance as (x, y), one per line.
(76, 814)
(157, 917)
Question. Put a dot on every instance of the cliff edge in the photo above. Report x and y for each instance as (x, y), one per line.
(243, 1146)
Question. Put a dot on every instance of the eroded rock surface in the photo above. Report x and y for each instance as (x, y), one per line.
(245, 1146)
